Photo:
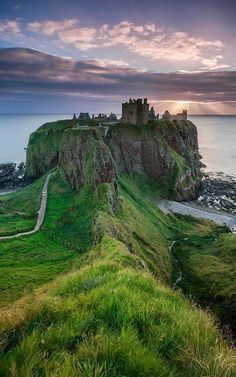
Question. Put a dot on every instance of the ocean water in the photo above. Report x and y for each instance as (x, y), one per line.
(217, 142)
(217, 138)
(15, 130)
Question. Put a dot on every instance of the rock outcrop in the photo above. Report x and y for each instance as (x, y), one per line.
(84, 158)
(43, 148)
(12, 175)
(165, 151)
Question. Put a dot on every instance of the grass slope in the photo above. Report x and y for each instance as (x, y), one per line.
(32, 261)
(18, 211)
(110, 316)
(209, 272)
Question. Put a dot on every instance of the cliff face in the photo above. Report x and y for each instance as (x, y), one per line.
(84, 158)
(43, 148)
(165, 151)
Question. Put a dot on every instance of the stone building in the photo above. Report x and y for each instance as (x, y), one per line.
(84, 116)
(152, 114)
(179, 116)
(135, 111)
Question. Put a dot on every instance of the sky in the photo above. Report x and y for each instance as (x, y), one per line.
(71, 56)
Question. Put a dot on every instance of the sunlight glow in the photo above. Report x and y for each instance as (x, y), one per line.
(193, 107)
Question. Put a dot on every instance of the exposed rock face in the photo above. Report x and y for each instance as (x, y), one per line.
(43, 148)
(12, 175)
(165, 151)
(84, 158)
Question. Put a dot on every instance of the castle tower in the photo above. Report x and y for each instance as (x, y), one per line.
(135, 111)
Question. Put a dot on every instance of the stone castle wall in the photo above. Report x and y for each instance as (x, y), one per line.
(135, 112)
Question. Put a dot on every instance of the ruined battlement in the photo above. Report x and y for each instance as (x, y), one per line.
(135, 111)
(179, 116)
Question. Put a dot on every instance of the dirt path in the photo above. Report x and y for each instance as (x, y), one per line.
(41, 213)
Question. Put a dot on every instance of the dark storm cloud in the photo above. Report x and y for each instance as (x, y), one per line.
(31, 72)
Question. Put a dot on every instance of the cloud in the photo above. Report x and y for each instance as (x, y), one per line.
(82, 38)
(148, 40)
(67, 31)
(108, 62)
(51, 27)
(31, 72)
(10, 27)
(214, 63)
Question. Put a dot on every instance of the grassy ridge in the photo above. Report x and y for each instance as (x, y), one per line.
(110, 316)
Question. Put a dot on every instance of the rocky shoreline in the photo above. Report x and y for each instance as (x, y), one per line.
(12, 176)
(218, 192)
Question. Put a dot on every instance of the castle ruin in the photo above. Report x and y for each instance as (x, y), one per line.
(135, 111)
(179, 116)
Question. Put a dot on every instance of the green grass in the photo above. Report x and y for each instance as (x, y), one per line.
(208, 262)
(70, 214)
(111, 318)
(113, 314)
(31, 261)
(18, 211)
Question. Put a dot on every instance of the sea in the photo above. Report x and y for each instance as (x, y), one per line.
(216, 134)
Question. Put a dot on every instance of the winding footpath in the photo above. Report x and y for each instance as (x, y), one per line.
(41, 213)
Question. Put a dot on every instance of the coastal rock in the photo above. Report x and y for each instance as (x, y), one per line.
(12, 175)
(164, 151)
(218, 191)
(43, 147)
(84, 158)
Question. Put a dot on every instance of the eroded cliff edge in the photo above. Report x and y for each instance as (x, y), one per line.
(164, 151)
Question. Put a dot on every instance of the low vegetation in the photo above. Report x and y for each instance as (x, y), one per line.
(111, 318)
(18, 211)
(112, 313)
(208, 262)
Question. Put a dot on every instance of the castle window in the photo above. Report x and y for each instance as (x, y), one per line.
(131, 112)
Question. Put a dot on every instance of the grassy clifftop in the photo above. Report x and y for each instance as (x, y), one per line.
(43, 147)
(44, 144)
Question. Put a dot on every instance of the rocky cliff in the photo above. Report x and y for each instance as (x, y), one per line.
(43, 148)
(164, 151)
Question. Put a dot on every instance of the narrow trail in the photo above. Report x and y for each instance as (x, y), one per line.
(41, 213)
(177, 263)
